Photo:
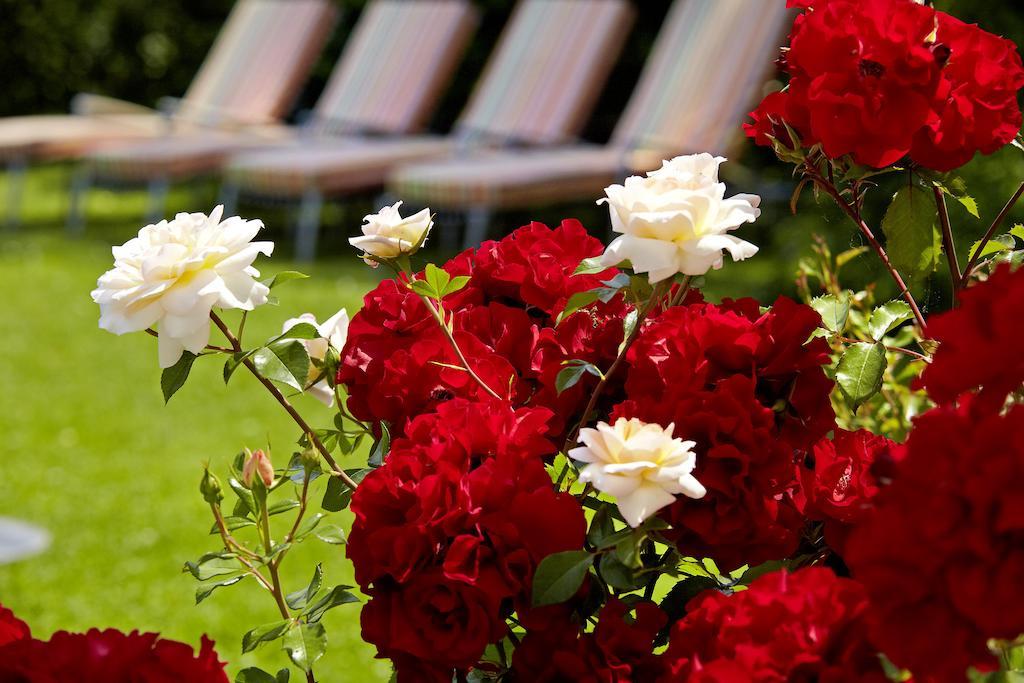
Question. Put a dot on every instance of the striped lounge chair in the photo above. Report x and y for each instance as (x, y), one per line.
(249, 79)
(537, 88)
(707, 67)
(387, 81)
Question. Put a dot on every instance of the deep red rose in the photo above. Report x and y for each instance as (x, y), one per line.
(11, 627)
(619, 650)
(976, 104)
(942, 552)
(768, 119)
(839, 481)
(109, 657)
(432, 622)
(979, 342)
(804, 626)
(747, 388)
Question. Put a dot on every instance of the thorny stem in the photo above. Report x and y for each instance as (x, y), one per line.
(276, 393)
(854, 215)
(656, 295)
(275, 578)
(455, 346)
(948, 245)
(988, 236)
(230, 543)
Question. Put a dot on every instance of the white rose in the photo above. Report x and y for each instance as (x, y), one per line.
(675, 220)
(638, 464)
(175, 273)
(386, 235)
(333, 332)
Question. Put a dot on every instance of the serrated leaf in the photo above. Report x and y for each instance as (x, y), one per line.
(615, 573)
(285, 361)
(283, 277)
(305, 643)
(559, 576)
(571, 374)
(888, 316)
(1017, 231)
(234, 361)
(212, 564)
(299, 599)
(859, 373)
(338, 494)
(590, 266)
(264, 633)
(834, 310)
(438, 278)
(204, 590)
(457, 283)
(330, 533)
(995, 245)
(339, 595)
(423, 288)
(578, 301)
(173, 378)
(255, 675)
(913, 242)
(299, 331)
(245, 497)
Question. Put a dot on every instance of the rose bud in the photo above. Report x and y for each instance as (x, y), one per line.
(257, 463)
(209, 486)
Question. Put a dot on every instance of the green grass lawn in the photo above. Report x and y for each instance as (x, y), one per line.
(91, 453)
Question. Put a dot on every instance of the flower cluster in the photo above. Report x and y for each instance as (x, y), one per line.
(109, 656)
(806, 626)
(754, 397)
(882, 79)
(397, 363)
(449, 531)
(942, 550)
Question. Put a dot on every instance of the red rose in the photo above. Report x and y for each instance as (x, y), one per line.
(804, 626)
(942, 553)
(109, 657)
(619, 650)
(11, 627)
(839, 481)
(979, 342)
(976, 104)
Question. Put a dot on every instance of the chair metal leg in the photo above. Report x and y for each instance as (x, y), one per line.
(15, 185)
(309, 224)
(478, 221)
(81, 182)
(228, 197)
(157, 208)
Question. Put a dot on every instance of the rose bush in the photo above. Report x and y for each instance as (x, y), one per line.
(564, 462)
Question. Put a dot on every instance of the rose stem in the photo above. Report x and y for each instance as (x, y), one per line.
(870, 236)
(988, 236)
(947, 241)
(276, 393)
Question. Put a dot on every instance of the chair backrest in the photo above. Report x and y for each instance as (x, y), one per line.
(398, 59)
(259, 61)
(705, 71)
(547, 71)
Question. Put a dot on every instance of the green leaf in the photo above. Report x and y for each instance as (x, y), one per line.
(850, 254)
(438, 278)
(601, 527)
(616, 573)
(282, 506)
(423, 288)
(674, 603)
(305, 643)
(204, 590)
(913, 242)
(559, 576)
(578, 301)
(299, 599)
(299, 331)
(339, 595)
(331, 533)
(573, 371)
(834, 310)
(380, 447)
(256, 675)
(283, 277)
(859, 373)
(211, 565)
(173, 378)
(338, 494)
(232, 523)
(234, 361)
(754, 573)
(995, 245)
(888, 316)
(264, 634)
(1017, 231)
(969, 203)
(284, 361)
(457, 283)
(308, 524)
(590, 266)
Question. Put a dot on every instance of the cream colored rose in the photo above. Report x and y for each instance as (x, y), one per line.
(675, 220)
(333, 332)
(175, 273)
(386, 235)
(638, 464)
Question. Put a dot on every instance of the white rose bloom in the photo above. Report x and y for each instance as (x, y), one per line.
(638, 464)
(675, 220)
(386, 235)
(175, 273)
(333, 332)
